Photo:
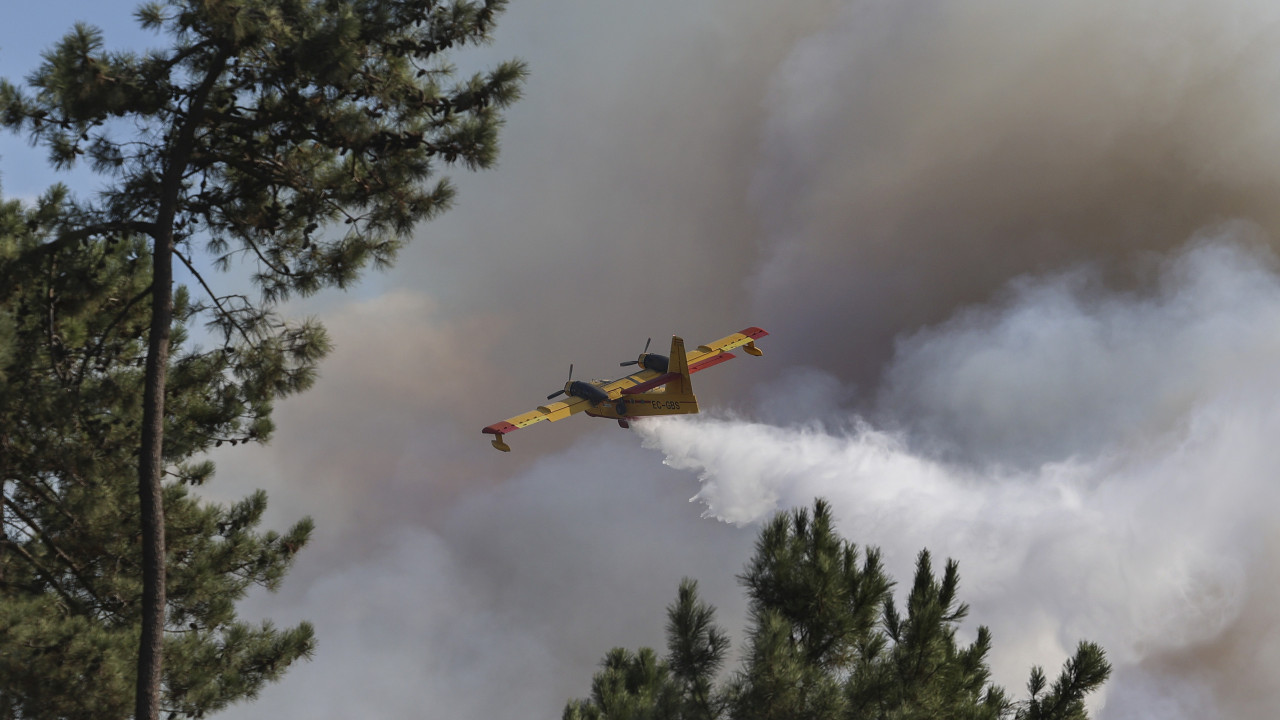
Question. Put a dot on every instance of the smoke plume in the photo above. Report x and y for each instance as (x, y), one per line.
(1117, 481)
(918, 156)
(1015, 259)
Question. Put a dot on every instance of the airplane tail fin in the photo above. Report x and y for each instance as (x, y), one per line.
(679, 367)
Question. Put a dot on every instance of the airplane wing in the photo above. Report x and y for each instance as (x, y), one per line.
(563, 409)
(703, 357)
(551, 411)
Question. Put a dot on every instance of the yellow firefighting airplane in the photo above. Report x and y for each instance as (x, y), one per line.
(661, 387)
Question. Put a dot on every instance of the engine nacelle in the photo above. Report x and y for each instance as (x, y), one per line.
(586, 391)
(654, 361)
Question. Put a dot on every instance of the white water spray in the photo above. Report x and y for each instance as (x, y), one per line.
(1109, 472)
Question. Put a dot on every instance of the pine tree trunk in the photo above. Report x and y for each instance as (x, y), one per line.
(150, 487)
(151, 457)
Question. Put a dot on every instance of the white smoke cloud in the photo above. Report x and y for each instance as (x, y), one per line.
(1012, 381)
(1119, 487)
(508, 604)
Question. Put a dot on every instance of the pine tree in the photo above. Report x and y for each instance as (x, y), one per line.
(640, 686)
(826, 641)
(74, 321)
(696, 650)
(297, 134)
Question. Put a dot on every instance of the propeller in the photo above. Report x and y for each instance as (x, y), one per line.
(637, 360)
(561, 390)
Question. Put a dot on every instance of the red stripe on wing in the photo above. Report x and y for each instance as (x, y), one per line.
(500, 428)
(708, 362)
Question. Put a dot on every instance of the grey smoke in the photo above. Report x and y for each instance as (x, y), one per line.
(862, 179)
(928, 205)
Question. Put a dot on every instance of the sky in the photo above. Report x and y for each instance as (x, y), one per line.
(1018, 265)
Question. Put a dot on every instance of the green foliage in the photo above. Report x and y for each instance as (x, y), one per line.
(1087, 669)
(827, 642)
(639, 686)
(812, 579)
(75, 319)
(629, 687)
(303, 135)
(696, 649)
(267, 121)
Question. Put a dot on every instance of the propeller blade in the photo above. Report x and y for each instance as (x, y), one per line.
(566, 385)
(637, 360)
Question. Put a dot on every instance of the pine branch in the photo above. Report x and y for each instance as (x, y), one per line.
(106, 332)
(48, 576)
(38, 533)
(217, 301)
(70, 238)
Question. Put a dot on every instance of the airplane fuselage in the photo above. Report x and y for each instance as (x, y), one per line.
(662, 387)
